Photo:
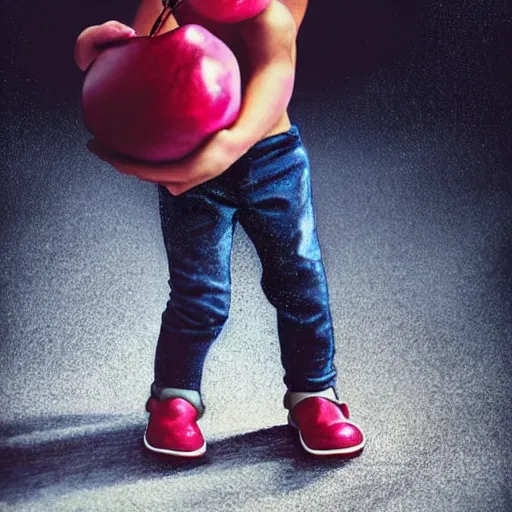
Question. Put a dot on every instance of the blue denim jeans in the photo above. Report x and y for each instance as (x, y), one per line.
(269, 192)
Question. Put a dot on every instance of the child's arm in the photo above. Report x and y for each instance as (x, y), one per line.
(91, 40)
(270, 41)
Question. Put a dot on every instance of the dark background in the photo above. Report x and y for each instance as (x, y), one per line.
(405, 111)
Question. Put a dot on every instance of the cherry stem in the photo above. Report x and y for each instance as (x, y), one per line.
(168, 9)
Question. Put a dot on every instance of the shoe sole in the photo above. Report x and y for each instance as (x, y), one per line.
(175, 453)
(352, 450)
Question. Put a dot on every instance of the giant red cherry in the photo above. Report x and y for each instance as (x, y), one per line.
(229, 11)
(159, 98)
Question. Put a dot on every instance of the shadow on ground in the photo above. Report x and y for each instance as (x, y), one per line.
(55, 455)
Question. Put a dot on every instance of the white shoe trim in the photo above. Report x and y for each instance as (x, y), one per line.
(334, 451)
(195, 453)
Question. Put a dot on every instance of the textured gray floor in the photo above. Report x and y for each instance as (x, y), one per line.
(408, 134)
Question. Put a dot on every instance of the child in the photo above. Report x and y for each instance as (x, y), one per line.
(256, 173)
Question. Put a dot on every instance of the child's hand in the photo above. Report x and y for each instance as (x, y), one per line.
(90, 42)
(211, 160)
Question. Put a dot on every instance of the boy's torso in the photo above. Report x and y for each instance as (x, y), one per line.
(231, 34)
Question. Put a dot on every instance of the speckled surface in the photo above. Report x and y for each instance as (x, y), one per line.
(408, 134)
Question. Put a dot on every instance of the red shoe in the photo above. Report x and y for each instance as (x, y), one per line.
(324, 428)
(172, 428)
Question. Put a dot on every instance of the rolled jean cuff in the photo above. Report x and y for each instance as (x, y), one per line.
(190, 395)
(291, 398)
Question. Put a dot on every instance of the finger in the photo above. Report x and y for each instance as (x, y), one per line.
(176, 187)
(104, 155)
(94, 39)
(184, 186)
(154, 173)
(171, 175)
(97, 149)
(109, 156)
(112, 31)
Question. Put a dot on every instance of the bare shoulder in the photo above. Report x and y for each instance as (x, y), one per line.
(277, 15)
(275, 26)
(297, 9)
